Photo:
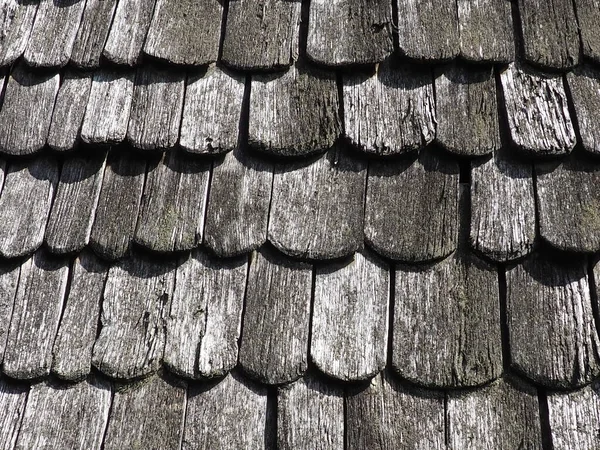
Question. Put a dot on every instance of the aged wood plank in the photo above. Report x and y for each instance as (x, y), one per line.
(238, 205)
(391, 110)
(326, 195)
(538, 113)
(136, 302)
(79, 324)
(93, 31)
(588, 16)
(274, 345)
(35, 317)
(552, 336)
(584, 86)
(9, 280)
(16, 21)
(294, 113)
(65, 416)
(203, 326)
(12, 404)
(23, 222)
(211, 112)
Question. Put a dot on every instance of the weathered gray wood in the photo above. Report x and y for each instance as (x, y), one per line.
(92, 34)
(294, 113)
(9, 280)
(310, 415)
(53, 33)
(211, 112)
(550, 33)
(466, 110)
(588, 16)
(538, 113)
(326, 195)
(128, 31)
(118, 205)
(274, 345)
(25, 205)
(70, 222)
(185, 31)
(147, 414)
(16, 21)
(349, 32)
(391, 110)
(35, 317)
(25, 129)
(238, 205)
(79, 324)
(412, 207)
(384, 415)
(156, 108)
(553, 340)
(136, 302)
(499, 416)
(108, 108)
(65, 416)
(226, 414)
(428, 29)
(584, 86)
(203, 326)
(173, 205)
(12, 406)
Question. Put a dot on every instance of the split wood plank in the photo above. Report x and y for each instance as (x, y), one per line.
(16, 21)
(588, 16)
(584, 87)
(93, 31)
(13, 397)
(9, 280)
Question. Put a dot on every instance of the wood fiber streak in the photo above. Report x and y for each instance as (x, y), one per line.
(274, 345)
(261, 35)
(553, 340)
(588, 17)
(390, 111)
(326, 195)
(35, 317)
(12, 406)
(203, 326)
(343, 32)
(211, 111)
(93, 31)
(9, 280)
(294, 113)
(584, 86)
(65, 416)
(16, 21)
(136, 303)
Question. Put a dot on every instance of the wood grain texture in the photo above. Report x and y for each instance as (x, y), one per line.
(79, 323)
(326, 195)
(238, 205)
(294, 113)
(537, 110)
(274, 345)
(552, 336)
(389, 111)
(16, 21)
(23, 222)
(185, 32)
(65, 416)
(12, 406)
(35, 317)
(349, 32)
(584, 87)
(466, 110)
(26, 128)
(9, 280)
(588, 16)
(93, 31)
(203, 326)
(136, 302)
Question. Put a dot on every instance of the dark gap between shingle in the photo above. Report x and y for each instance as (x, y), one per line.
(536, 204)
(64, 303)
(594, 294)
(504, 330)
(244, 303)
(345, 397)
(184, 417)
(572, 112)
(271, 419)
(545, 420)
(223, 28)
(446, 421)
(99, 325)
(303, 29)
(206, 202)
(109, 416)
(581, 54)
(464, 166)
(392, 307)
(518, 30)
(395, 37)
(12, 310)
(339, 80)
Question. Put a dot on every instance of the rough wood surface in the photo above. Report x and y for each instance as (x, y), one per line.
(412, 207)
(203, 326)
(584, 86)
(136, 302)
(16, 21)
(211, 111)
(552, 336)
(93, 31)
(25, 205)
(294, 113)
(326, 195)
(79, 324)
(466, 110)
(185, 31)
(538, 113)
(384, 415)
(274, 345)
(391, 110)
(226, 414)
(65, 416)
(12, 406)
(349, 32)
(238, 204)
(36, 315)
(310, 416)
(27, 110)
(588, 16)
(9, 280)
(156, 108)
